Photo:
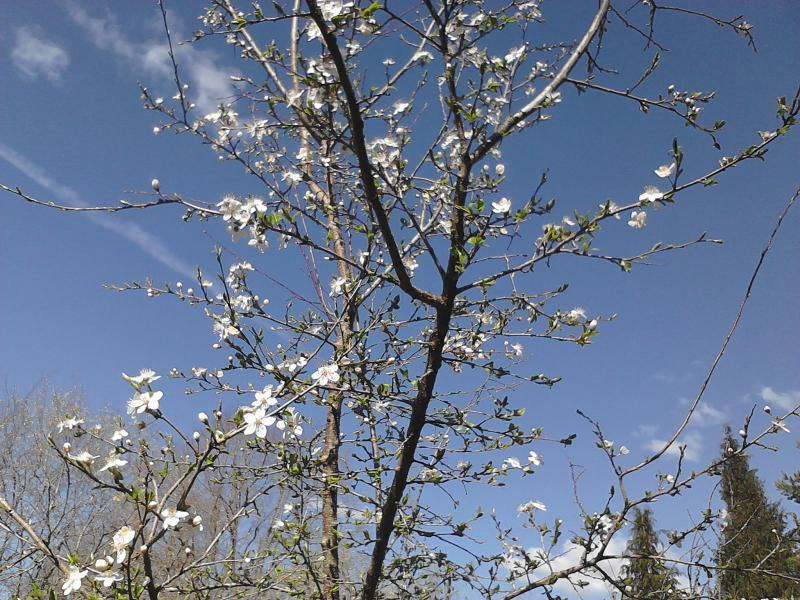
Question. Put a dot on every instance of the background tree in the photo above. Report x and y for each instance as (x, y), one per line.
(789, 485)
(43, 505)
(645, 576)
(754, 556)
(418, 267)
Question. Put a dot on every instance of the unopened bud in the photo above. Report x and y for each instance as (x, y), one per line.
(203, 417)
(156, 185)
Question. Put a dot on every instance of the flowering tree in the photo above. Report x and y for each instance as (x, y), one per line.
(386, 175)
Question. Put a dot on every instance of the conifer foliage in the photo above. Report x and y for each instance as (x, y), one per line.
(645, 576)
(753, 536)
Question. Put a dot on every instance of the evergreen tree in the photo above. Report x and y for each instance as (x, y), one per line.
(789, 485)
(753, 536)
(645, 577)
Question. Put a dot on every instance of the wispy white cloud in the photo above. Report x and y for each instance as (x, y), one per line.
(144, 240)
(646, 431)
(705, 415)
(693, 440)
(35, 56)
(570, 554)
(210, 82)
(784, 400)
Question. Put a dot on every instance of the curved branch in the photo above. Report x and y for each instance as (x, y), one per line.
(508, 125)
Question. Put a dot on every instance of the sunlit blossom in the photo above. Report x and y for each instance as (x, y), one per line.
(530, 506)
(502, 206)
(576, 313)
(423, 56)
(535, 458)
(400, 107)
(638, 219)
(73, 581)
(257, 422)
(144, 401)
(172, 517)
(665, 170)
(290, 424)
(224, 327)
(114, 462)
(338, 286)
(144, 376)
(69, 424)
(84, 458)
(611, 207)
(651, 194)
(122, 540)
(333, 8)
(512, 462)
(779, 424)
(767, 135)
(326, 374)
(264, 398)
(294, 363)
(108, 579)
(118, 435)
(410, 264)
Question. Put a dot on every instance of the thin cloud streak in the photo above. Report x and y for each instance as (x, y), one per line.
(133, 232)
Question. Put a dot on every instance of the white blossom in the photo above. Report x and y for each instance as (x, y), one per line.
(73, 582)
(326, 374)
(665, 170)
(638, 219)
(530, 506)
(535, 458)
(69, 423)
(143, 401)
(172, 517)
(651, 194)
(502, 206)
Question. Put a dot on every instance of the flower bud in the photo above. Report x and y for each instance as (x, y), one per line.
(156, 185)
(203, 417)
(67, 446)
(196, 436)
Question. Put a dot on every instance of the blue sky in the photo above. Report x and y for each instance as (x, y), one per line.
(72, 130)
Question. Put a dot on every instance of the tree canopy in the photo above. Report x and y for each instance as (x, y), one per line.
(343, 431)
